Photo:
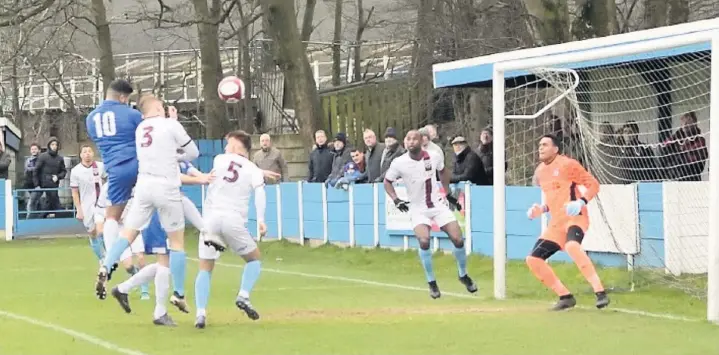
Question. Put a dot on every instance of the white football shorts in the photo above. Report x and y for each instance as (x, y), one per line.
(440, 214)
(150, 196)
(232, 230)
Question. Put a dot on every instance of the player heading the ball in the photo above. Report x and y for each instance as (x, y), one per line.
(158, 141)
(111, 126)
(418, 170)
(560, 178)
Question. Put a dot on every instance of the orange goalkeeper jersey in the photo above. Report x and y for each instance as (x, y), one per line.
(560, 181)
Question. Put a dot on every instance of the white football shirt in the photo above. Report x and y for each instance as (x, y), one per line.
(158, 141)
(419, 178)
(235, 181)
(88, 181)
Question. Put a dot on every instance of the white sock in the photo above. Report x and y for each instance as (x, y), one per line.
(201, 312)
(162, 290)
(191, 213)
(143, 276)
(244, 294)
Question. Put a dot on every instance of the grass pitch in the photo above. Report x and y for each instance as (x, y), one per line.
(329, 300)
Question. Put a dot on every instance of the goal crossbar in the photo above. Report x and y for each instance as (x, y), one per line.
(625, 52)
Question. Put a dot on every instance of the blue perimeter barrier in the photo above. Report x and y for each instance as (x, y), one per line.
(358, 217)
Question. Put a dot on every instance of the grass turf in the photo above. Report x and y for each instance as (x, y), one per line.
(330, 300)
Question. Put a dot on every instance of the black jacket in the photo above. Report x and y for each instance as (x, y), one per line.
(486, 154)
(320, 165)
(390, 154)
(373, 162)
(5, 161)
(48, 164)
(30, 164)
(341, 158)
(468, 167)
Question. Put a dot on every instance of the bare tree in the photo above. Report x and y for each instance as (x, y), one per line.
(104, 41)
(337, 45)
(292, 59)
(362, 23)
(655, 13)
(208, 22)
(308, 20)
(678, 11)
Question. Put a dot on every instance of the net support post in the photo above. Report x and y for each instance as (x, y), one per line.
(301, 212)
(713, 262)
(278, 194)
(325, 224)
(9, 210)
(500, 237)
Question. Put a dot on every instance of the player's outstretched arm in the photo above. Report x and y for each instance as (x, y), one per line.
(198, 179)
(581, 176)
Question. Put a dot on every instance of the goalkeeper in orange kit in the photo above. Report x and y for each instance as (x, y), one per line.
(560, 177)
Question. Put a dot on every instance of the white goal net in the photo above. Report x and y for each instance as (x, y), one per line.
(642, 128)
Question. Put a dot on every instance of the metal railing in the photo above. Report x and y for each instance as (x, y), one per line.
(176, 74)
(30, 203)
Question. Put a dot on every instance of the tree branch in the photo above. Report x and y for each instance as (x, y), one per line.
(17, 17)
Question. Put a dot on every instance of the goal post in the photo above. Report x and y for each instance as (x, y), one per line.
(566, 90)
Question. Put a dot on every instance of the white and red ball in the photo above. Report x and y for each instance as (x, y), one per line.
(231, 89)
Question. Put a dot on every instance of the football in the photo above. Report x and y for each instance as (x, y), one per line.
(231, 89)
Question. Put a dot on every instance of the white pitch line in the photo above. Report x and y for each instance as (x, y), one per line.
(73, 333)
(453, 294)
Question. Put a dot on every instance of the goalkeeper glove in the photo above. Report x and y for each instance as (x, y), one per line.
(536, 211)
(574, 208)
(453, 203)
(402, 206)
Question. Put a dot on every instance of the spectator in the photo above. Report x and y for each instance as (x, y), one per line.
(607, 157)
(354, 171)
(486, 153)
(373, 155)
(392, 150)
(686, 151)
(270, 158)
(636, 160)
(33, 203)
(320, 165)
(5, 161)
(49, 170)
(433, 136)
(341, 157)
(427, 143)
(467, 165)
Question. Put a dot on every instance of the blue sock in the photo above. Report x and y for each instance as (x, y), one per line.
(113, 255)
(101, 240)
(178, 263)
(145, 288)
(425, 256)
(202, 289)
(461, 255)
(96, 245)
(249, 277)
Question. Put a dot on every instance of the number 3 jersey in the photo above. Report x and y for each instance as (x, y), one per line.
(158, 141)
(419, 178)
(236, 178)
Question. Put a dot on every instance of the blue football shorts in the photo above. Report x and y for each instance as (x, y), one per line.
(155, 237)
(121, 180)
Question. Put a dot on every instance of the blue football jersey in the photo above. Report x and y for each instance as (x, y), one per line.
(112, 127)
